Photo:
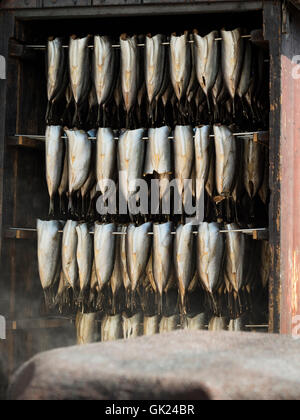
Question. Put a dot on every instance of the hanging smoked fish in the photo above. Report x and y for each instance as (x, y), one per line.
(184, 261)
(64, 182)
(232, 60)
(84, 260)
(90, 181)
(54, 162)
(202, 158)
(226, 155)
(106, 157)
(159, 156)
(210, 258)
(86, 328)
(180, 64)
(131, 149)
(57, 77)
(69, 257)
(138, 250)
(103, 72)
(49, 257)
(111, 328)
(254, 166)
(184, 156)
(80, 151)
(130, 77)
(235, 264)
(207, 61)
(62, 298)
(132, 326)
(79, 65)
(155, 59)
(162, 258)
(123, 266)
(104, 251)
(116, 280)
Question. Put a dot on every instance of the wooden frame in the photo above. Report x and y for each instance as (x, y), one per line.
(282, 290)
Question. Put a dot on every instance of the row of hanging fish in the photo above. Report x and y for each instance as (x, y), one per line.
(91, 329)
(221, 166)
(138, 262)
(194, 80)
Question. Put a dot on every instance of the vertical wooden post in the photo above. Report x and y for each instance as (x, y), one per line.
(290, 176)
(272, 33)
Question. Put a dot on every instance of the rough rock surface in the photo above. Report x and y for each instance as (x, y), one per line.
(179, 365)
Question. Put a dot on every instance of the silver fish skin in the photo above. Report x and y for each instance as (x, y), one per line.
(180, 64)
(232, 59)
(202, 158)
(86, 328)
(158, 155)
(80, 151)
(207, 58)
(79, 66)
(195, 323)
(235, 258)
(162, 255)
(84, 256)
(151, 325)
(236, 325)
(49, 252)
(54, 161)
(138, 249)
(103, 68)
(104, 250)
(246, 75)
(129, 70)
(56, 69)
(69, 253)
(131, 149)
(226, 155)
(168, 324)
(217, 324)
(106, 157)
(184, 154)
(155, 54)
(183, 259)
(132, 327)
(111, 328)
(210, 256)
(254, 166)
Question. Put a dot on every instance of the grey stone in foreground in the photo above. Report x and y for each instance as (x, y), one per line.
(179, 365)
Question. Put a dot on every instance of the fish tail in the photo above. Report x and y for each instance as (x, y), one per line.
(49, 298)
(160, 304)
(51, 206)
(70, 207)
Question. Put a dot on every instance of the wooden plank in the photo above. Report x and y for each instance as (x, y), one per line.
(272, 33)
(37, 324)
(25, 142)
(66, 3)
(20, 4)
(119, 11)
(290, 177)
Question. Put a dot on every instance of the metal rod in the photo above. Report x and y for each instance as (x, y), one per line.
(40, 137)
(245, 231)
(44, 47)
